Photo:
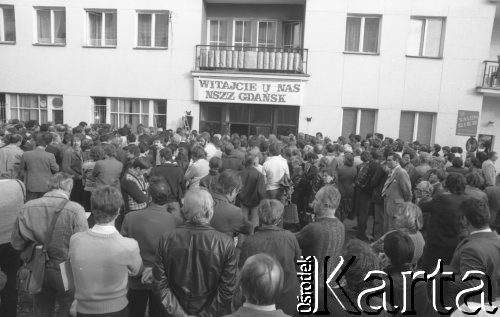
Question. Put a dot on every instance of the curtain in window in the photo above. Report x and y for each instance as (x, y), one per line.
(406, 126)
(9, 24)
(161, 30)
(367, 122)
(60, 27)
(414, 37)
(433, 37)
(353, 31)
(424, 130)
(370, 40)
(144, 30)
(110, 29)
(349, 118)
(43, 23)
(267, 34)
(95, 28)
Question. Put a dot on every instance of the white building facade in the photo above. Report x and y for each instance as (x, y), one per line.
(403, 68)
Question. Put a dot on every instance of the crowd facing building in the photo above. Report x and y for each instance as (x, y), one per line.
(178, 223)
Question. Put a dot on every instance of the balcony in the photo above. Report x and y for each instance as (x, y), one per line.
(251, 59)
(490, 78)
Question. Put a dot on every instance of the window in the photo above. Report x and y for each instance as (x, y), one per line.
(426, 37)
(362, 34)
(135, 112)
(267, 34)
(292, 35)
(57, 110)
(100, 109)
(358, 121)
(28, 107)
(218, 32)
(101, 28)
(152, 29)
(242, 34)
(416, 126)
(3, 117)
(51, 26)
(7, 24)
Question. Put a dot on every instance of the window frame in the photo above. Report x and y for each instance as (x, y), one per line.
(415, 129)
(233, 35)
(2, 25)
(153, 14)
(276, 22)
(423, 36)
(284, 25)
(151, 114)
(48, 109)
(362, 33)
(36, 40)
(359, 113)
(103, 28)
(209, 29)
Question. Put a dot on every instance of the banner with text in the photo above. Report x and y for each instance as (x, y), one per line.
(248, 91)
(467, 122)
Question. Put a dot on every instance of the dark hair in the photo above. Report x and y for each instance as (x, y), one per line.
(348, 159)
(437, 147)
(141, 163)
(228, 181)
(44, 127)
(13, 138)
(43, 139)
(476, 212)
(366, 261)
(261, 280)
(399, 248)
(134, 149)
(491, 154)
(97, 153)
(228, 148)
(105, 203)
(215, 164)
(166, 153)
(365, 156)
(457, 162)
(474, 180)
(109, 150)
(455, 183)
(159, 190)
(274, 149)
(198, 153)
(131, 138)
(249, 158)
(375, 154)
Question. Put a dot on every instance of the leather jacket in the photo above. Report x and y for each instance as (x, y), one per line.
(195, 271)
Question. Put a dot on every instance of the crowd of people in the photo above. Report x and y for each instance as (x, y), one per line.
(179, 223)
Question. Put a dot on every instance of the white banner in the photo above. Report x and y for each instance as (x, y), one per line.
(248, 91)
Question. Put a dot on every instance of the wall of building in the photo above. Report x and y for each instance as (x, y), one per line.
(495, 41)
(392, 82)
(490, 122)
(78, 73)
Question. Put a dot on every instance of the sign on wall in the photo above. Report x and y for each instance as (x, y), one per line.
(467, 122)
(248, 91)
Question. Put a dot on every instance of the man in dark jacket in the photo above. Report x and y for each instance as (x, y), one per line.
(253, 190)
(195, 268)
(480, 251)
(227, 217)
(231, 160)
(378, 176)
(174, 176)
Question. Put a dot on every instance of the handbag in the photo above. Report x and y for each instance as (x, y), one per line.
(31, 275)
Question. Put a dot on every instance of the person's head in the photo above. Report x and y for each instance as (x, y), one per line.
(365, 156)
(274, 149)
(141, 165)
(251, 160)
(348, 159)
(43, 139)
(131, 138)
(446, 150)
(270, 211)
(326, 201)
(407, 157)
(198, 206)
(61, 181)
(105, 204)
(109, 150)
(399, 248)
(366, 261)
(457, 162)
(392, 160)
(159, 190)
(492, 156)
(474, 180)
(166, 154)
(13, 139)
(133, 151)
(261, 280)
(435, 175)
(311, 157)
(215, 164)
(437, 148)
(455, 183)
(228, 184)
(56, 138)
(198, 153)
(477, 213)
(96, 153)
(423, 190)
(228, 148)
(408, 216)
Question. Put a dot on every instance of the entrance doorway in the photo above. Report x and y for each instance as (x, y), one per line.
(248, 119)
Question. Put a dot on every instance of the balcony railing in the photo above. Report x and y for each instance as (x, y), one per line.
(491, 76)
(252, 59)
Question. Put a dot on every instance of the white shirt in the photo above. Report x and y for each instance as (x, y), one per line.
(275, 168)
(258, 307)
(211, 151)
(481, 231)
(103, 229)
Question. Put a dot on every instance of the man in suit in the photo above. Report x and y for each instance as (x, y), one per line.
(109, 170)
(489, 170)
(397, 190)
(38, 167)
(480, 251)
(253, 190)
